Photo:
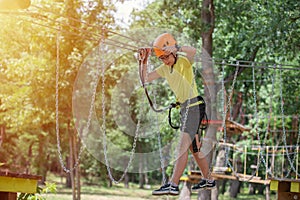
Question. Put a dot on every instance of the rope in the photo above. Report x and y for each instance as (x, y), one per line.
(159, 140)
(242, 63)
(291, 162)
(144, 81)
(104, 129)
(132, 47)
(225, 113)
(57, 114)
(91, 25)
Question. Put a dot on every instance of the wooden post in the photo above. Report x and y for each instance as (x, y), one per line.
(77, 170)
(282, 164)
(8, 195)
(283, 191)
(233, 159)
(286, 188)
(267, 158)
(71, 161)
(273, 159)
(297, 161)
(2, 131)
(258, 161)
(268, 192)
(185, 193)
(12, 183)
(245, 161)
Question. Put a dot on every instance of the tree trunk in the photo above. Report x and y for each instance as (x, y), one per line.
(71, 161)
(126, 181)
(215, 192)
(207, 20)
(2, 134)
(141, 164)
(223, 190)
(185, 193)
(220, 162)
(260, 189)
(251, 189)
(77, 169)
(68, 175)
(110, 184)
(234, 188)
(42, 159)
(267, 192)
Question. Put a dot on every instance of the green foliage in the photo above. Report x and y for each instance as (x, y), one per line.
(265, 33)
(260, 31)
(49, 188)
(27, 68)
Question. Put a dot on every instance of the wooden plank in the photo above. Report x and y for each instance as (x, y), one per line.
(184, 178)
(287, 180)
(8, 196)
(12, 184)
(274, 185)
(288, 195)
(231, 177)
(196, 175)
(221, 170)
(295, 187)
(248, 176)
(18, 175)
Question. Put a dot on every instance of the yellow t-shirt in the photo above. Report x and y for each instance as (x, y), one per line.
(181, 79)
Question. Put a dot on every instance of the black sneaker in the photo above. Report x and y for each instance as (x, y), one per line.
(166, 189)
(204, 184)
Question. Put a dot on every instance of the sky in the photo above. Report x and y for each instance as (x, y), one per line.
(124, 10)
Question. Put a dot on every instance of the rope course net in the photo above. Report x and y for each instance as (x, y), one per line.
(91, 107)
(274, 156)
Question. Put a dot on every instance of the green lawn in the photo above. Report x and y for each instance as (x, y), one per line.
(118, 192)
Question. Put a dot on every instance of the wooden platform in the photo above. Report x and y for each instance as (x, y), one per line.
(195, 176)
(286, 188)
(12, 183)
(242, 177)
(232, 127)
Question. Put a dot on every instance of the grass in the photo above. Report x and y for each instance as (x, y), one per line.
(119, 192)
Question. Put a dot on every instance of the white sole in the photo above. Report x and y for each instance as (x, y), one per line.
(205, 188)
(164, 193)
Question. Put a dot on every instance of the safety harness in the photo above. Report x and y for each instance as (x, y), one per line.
(203, 121)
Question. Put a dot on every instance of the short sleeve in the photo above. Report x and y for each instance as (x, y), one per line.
(161, 70)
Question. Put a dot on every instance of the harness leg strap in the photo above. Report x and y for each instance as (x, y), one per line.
(195, 147)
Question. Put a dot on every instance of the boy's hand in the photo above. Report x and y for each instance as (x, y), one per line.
(144, 54)
(170, 49)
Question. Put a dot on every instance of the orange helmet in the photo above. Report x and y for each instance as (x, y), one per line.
(163, 40)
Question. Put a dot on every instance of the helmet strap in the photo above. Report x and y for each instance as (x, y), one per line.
(175, 57)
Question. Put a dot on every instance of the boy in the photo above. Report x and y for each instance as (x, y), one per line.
(178, 72)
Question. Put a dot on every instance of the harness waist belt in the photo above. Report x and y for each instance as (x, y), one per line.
(191, 101)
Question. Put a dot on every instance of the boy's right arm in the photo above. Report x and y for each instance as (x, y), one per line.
(147, 76)
(152, 76)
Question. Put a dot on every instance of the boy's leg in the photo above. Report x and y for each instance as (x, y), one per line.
(199, 157)
(202, 164)
(180, 164)
(206, 182)
(182, 159)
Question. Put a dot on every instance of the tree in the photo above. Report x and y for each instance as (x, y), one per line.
(28, 65)
(14, 4)
(265, 33)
